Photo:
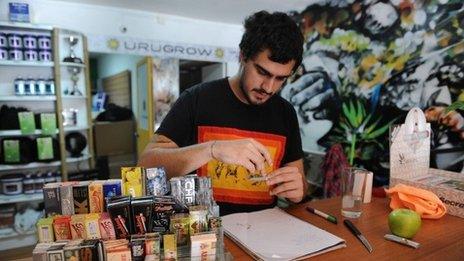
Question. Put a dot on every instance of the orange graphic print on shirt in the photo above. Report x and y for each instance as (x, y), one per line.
(230, 182)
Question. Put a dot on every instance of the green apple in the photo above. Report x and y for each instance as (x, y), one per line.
(404, 222)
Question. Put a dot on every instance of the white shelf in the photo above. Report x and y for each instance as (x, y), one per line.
(74, 96)
(26, 63)
(82, 158)
(76, 128)
(32, 165)
(73, 64)
(27, 98)
(18, 133)
(26, 26)
(16, 240)
(5, 199)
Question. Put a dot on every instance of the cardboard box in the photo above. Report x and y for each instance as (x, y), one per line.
(114, 138)
(447, 185)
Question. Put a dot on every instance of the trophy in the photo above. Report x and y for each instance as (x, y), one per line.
(74, 70)
(72, 41)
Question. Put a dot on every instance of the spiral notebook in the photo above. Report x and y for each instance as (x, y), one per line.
(272, 234)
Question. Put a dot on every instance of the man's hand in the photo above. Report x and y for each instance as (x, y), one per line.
(245, 152)
(289, 183)
(452, 119)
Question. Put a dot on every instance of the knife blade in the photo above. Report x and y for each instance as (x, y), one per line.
(358, 234)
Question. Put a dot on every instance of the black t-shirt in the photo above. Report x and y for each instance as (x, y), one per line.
(211, 111)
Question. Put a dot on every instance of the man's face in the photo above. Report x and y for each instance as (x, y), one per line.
(261, 78)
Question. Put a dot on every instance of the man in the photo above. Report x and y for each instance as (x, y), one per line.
(231, 129)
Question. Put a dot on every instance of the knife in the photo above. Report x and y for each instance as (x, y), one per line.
(358, 234)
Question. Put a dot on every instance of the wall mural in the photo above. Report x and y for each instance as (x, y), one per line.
(366, 63)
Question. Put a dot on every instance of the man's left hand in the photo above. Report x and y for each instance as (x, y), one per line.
(289, 183)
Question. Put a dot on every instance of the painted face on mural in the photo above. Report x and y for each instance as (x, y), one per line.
(261, 78)
(380, 17)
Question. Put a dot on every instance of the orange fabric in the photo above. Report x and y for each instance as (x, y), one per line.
(424, 202)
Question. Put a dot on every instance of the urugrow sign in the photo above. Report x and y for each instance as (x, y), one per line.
(161, 49)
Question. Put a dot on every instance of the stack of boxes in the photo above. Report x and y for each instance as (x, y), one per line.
(133, 217)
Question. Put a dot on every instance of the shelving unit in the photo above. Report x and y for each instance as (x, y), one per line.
(26, 63)
(6, 199)
(36, 98)
(61, 72)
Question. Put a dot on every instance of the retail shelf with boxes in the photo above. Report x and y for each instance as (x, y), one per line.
(45, 122)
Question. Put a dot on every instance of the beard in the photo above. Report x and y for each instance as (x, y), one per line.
(247, 95)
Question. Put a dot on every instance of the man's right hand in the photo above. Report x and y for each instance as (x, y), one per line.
(245, 152)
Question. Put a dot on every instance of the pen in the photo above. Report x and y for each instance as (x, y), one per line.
(322, 214)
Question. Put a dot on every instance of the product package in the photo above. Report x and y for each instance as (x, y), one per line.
(45, 230)
(152, 246)
(26, 122)
(91, 250)
(71, 250)
(78, 230)
(179, 226)
(170, 246)
(61, 227)
(117, 250)
(203, 245)
(106, 227)
(137, 244)
(81, 198)
(67, 201)
(132, 181)
(92, 225)
(11, 152)
(45, 148)
(96, 202)
(183, 189)
(119, 210)
(156, 183)
(141, 213)
(163, 207)
(52, 199)
(198, 219)
(48, 123)
(55, 253)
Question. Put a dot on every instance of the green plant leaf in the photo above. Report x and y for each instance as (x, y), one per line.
(359, 113)
(352, 115)
(379, 131)
(457, 105)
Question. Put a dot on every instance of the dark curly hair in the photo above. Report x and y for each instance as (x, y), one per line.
(276, 32)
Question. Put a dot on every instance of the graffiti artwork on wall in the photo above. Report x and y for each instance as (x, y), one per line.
(366, 63)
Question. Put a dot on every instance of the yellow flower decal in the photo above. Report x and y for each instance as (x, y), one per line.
(113, 44)
(219, 53)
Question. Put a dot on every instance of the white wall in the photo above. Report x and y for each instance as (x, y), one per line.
(110, 64)
(99, 20)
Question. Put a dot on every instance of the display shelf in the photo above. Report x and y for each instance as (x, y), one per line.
(81, 158)
(73, 64)
(4, 167)
(7, 133)
(16, 240)
(5, 199)
(26, 63)
(76, 128)
(39, 27)
(74, 97)
(27, 98)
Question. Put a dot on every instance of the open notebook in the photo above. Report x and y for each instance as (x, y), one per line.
(272, 234)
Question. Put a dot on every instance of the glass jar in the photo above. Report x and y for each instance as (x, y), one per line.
(50, 177)
(29, 41)
(40, 87)
(38, 182)
(28, 184)
(50, 87)
(29, 87)
(3, 54)
(31, 55)
(19, 86)
(15, 41)
(15, 54)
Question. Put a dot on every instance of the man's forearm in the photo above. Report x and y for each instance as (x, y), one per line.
(177, 161)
